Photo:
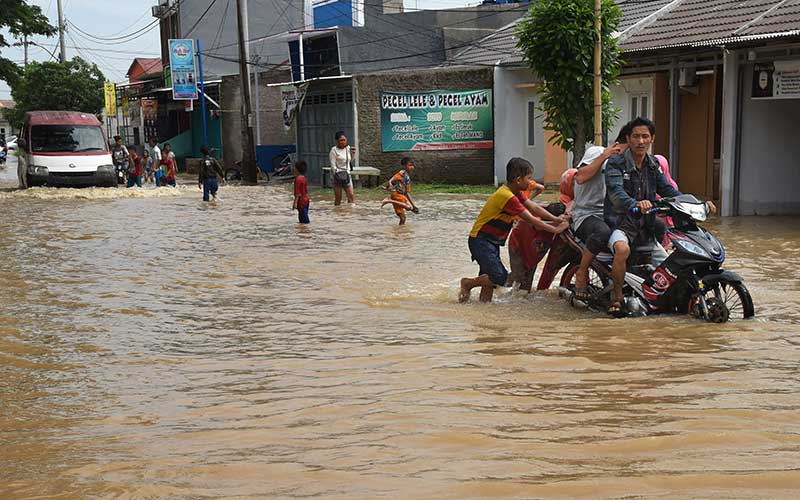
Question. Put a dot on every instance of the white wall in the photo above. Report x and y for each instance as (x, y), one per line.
(511, 123)
(769, 168)
(622, 93)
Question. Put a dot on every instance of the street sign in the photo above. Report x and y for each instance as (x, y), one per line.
(183, 69)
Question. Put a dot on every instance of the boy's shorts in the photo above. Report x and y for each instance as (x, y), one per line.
(487, 255)
(402, 199)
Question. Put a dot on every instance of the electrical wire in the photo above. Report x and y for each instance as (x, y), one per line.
(396, 36)
(119, 39)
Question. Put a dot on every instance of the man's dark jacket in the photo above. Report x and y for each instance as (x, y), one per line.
(623, 180)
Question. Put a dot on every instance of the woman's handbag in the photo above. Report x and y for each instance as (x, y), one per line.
(341, 178)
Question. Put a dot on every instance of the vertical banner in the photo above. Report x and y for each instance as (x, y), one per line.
(150, 115)
(437, 120)
(292, 99)
(183, 69)
(110, 94)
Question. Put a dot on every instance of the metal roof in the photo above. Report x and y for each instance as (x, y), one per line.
(60, 118)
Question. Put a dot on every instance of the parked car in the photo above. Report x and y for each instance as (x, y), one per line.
(64, 148)
(11, 143)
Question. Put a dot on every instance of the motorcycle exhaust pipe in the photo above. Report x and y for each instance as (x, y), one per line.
(569, 296)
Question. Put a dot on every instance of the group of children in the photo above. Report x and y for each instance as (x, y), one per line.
(154, 166)
(399, 187)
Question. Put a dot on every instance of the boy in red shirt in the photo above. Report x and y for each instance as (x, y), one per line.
(135, 169)
(301, 201)
(167, 164)
(494, 223)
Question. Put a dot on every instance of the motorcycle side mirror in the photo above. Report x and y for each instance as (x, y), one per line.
(22, 144)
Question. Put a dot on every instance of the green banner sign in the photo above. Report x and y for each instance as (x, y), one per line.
(435, 121)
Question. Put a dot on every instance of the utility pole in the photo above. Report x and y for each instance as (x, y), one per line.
(63, 56)
(257, 59)
(248, 149)
(25, 47)
(598, 93)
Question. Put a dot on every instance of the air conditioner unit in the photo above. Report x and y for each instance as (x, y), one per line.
(687, 78)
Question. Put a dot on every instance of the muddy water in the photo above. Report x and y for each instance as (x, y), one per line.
(155, 347)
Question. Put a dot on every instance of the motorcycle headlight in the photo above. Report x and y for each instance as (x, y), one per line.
(697, 211)
(38, 170)
(688, 246)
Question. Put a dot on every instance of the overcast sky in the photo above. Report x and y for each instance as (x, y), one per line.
(120, 17)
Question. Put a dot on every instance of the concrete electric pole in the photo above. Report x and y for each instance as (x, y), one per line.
(598, 94)
(248, 150)
(63, 56)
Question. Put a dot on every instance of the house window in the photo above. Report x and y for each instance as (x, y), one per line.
(531, 123)
(640, 106)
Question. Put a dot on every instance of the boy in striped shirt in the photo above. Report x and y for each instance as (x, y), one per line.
(495, 221)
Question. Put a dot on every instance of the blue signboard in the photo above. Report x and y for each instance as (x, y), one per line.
(330, 13)
(184, 71)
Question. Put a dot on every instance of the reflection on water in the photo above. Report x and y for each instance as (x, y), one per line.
(155, 347)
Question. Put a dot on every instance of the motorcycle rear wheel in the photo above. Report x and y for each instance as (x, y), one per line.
(596, 281)
(736, 298)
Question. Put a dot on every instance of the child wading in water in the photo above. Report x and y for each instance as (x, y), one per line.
(301, 201)
(494, 222)
(400, 186)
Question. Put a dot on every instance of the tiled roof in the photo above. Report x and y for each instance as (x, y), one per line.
(499, 46)
(633, 12)
(710, 22)
(7, 104)
(502, 44)
(655, 24)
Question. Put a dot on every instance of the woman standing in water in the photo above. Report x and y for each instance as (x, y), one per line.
(341, 156)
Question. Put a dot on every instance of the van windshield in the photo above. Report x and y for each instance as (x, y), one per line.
(66, 139)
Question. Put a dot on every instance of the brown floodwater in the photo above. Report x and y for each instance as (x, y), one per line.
(155, 347)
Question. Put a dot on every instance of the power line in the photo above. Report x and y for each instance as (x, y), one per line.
(392, 37)
(122, 39)
(189, 31)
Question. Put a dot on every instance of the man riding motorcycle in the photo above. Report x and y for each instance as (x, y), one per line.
(632, 181)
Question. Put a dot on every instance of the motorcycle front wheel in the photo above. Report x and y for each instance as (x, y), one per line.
(736, 298)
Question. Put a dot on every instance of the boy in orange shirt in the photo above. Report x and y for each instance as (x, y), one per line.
(491, 229)
(400, 186)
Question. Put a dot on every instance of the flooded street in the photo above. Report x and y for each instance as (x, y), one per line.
(152, 346)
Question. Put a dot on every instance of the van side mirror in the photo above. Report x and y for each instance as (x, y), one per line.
(22, 144)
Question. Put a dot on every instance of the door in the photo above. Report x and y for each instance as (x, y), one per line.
(697, 138)
(324, 112)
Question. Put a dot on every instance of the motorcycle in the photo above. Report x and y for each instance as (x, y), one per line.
(690, 281)
(3, 156)
(121, 171)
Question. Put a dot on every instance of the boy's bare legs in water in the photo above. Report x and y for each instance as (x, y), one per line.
(483, 281)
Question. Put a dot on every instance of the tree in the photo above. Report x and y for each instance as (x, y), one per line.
(75, 86)
(20, 19)
(557, 39)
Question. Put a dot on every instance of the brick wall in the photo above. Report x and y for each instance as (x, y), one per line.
(468, 166)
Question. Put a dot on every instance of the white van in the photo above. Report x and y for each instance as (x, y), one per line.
(64, 148)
